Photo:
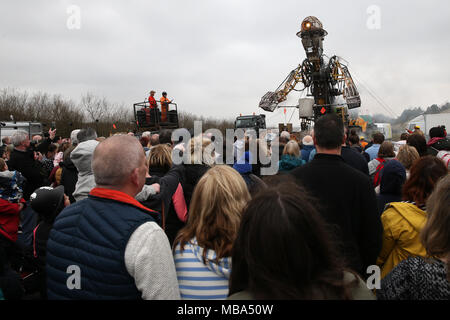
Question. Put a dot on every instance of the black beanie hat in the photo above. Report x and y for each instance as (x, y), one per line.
(48, 201)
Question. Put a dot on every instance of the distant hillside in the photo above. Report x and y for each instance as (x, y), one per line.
(411, 113)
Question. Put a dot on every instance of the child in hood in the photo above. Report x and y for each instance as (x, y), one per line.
(11, 183)
(11, 204)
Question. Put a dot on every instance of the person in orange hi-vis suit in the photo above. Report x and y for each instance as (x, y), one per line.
(151, 100)
(363, 142)
(153, 106)
(164, 106)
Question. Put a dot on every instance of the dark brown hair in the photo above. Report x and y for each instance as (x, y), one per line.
(386, 150)
(52, 148)
(63, 147)
(418, 141)
(2, 164)
(144, 141)
(378, 138)
(329, 131)
(425, 172)
(66, 154)
(404, 136)
(353, 139)
(284, 251)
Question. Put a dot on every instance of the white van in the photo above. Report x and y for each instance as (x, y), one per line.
(385, 129)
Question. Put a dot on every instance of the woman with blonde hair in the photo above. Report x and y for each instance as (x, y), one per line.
(406, 156)
(169, 201)
(291, 158)
(199, 158)
(426, 278)
(160, 157)
(202, 249)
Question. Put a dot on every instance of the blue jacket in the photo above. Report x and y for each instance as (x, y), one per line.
(373, 151)
(92, 234)
(306, 150)
(244, 165)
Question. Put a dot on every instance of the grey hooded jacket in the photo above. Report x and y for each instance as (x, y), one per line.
(81, 157)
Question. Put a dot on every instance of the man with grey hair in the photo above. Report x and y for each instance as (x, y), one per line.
(154, 139)
(307, 147)
(86, 134)
(119, 249)
(285, 135)
(146, 134)
(81, 157)
(278, 146)
(25, 160)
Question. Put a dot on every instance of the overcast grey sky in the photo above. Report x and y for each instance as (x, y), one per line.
(219, 57)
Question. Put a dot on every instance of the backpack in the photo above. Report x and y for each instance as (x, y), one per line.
(377, 175)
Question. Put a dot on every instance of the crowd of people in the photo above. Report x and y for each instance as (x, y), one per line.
(90, 217)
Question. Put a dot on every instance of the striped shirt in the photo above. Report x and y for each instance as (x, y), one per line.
(197, 280)
(422, 207)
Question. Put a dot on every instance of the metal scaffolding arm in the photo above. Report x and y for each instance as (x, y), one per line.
(341, 76)
(270, 101)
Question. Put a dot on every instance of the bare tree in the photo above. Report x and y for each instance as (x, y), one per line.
(96, 108)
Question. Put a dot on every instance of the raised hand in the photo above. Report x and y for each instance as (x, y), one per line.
(52, 133)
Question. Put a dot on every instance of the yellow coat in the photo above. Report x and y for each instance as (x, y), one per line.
(402, 223)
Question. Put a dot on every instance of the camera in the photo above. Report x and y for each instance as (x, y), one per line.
(33, 145)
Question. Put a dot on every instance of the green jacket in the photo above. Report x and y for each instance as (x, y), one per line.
(288, 163)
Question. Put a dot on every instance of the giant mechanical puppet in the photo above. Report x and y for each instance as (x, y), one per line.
(324, 79)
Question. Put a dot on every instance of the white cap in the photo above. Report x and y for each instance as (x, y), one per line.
(307, 140)
(73, 136)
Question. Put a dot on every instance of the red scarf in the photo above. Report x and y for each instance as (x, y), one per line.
(118, 196)
(434, 140)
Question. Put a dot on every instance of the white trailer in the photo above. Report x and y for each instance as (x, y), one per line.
(428, 121)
